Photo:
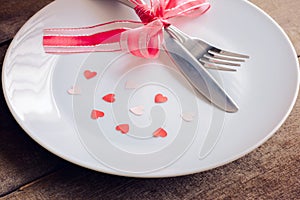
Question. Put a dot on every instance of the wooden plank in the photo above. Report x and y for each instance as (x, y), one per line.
(77, 182)
(287, 14)
(21, 159)
(14, 13)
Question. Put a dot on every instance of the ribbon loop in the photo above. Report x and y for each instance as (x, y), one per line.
(141, 39)
(145, 14)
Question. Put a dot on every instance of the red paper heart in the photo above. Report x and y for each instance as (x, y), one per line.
(124, 128)
(89, 74)
(96, 114)
(159, 98)
(160, 133)
(109, 98)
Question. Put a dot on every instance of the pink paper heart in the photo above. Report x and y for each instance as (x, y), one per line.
(188, 117)
(131, 85)
(89, 74)
(74, 90)
(138, 110)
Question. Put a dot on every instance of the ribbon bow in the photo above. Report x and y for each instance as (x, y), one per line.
(141, 39)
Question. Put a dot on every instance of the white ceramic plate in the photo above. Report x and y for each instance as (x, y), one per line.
(35, 85)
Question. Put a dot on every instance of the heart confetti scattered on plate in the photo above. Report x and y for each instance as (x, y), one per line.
(198, 136)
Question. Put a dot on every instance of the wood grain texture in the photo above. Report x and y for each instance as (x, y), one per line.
(27, 171)
(21, 159)
(14, 13)
(287, 14)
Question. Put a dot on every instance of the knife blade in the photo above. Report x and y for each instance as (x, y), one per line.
(197, 75)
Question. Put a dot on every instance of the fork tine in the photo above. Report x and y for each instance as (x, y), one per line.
(219, 61)
(224, 57)
(229, 53)
(211, 65)
(233, 54)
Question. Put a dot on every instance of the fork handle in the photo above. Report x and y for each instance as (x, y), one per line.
(177, 33)
(127, 3)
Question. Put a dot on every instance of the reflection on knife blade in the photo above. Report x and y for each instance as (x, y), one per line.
(197, 75)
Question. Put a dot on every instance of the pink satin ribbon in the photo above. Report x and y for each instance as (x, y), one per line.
(141, 39)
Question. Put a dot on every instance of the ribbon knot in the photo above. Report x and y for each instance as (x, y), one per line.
(141, 39)
(146, 15)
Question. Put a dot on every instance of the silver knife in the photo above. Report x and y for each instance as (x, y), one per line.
(195, 72)
(197, 75)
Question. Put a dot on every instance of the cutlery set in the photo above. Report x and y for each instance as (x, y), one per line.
(193, 55)
(200, 136)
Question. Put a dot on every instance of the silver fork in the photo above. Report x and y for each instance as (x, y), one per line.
(211, 57)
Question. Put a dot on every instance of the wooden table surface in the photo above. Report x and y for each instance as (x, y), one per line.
(27, 171)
